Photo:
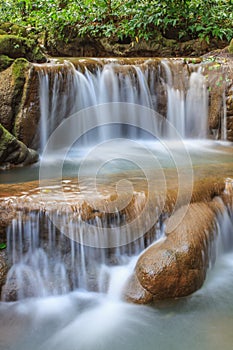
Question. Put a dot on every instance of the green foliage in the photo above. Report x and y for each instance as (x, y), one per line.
(121, 18)
(2, 246)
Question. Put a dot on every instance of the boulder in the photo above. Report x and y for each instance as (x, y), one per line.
(176, 266)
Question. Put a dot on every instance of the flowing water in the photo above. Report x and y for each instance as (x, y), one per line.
(100, 319)
(138, 84)
(69, 295)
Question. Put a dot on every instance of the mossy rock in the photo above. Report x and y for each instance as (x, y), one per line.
(230, 48)
(20, 69)
(7, 142)
(5, 62)
(2, 32)
(14, 152)
(16, 47)
(5, 26)
(15, 29)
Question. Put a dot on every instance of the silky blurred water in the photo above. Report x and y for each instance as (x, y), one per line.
(205, 152)
(93, 321)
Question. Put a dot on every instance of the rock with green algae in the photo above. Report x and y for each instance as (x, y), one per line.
(14, 152)
(5, 62)
(16, 47)
(19, 70)
(12, 81)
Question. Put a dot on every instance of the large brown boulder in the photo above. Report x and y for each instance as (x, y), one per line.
(176, 266)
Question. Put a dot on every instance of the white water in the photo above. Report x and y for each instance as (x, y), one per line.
(69, 90)
(73, 91)
(100, 320)
(187, 110)
(45, 262)
(70, 295)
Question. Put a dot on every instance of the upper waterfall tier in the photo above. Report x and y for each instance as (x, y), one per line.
(175, 90)
(183, 91)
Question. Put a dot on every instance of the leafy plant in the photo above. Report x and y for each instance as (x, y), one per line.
(203, 19)
(2, 246)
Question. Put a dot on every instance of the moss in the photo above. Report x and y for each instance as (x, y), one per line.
(5, 62)
(230, 48)
(6, 140)
(16, 47)
(19, 72)
(6, 26)
(13, 151)
(19, 68)
(13, 46)
(15, 29)
(2, 32)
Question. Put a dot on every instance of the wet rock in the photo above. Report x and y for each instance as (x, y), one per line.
(7, 213)
(3, 268)
(230, 128)
(12, 82)
(136, 293)
(14, 152)
(176, 266)
(12, 288)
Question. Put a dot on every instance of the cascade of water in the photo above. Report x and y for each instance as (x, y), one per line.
(196, 106)
(69, 90)
(187, 110)
(46, 262)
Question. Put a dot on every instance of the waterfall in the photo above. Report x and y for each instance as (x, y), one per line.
(196, 111)
(66, 89)
(187, 109)
(45, 262)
